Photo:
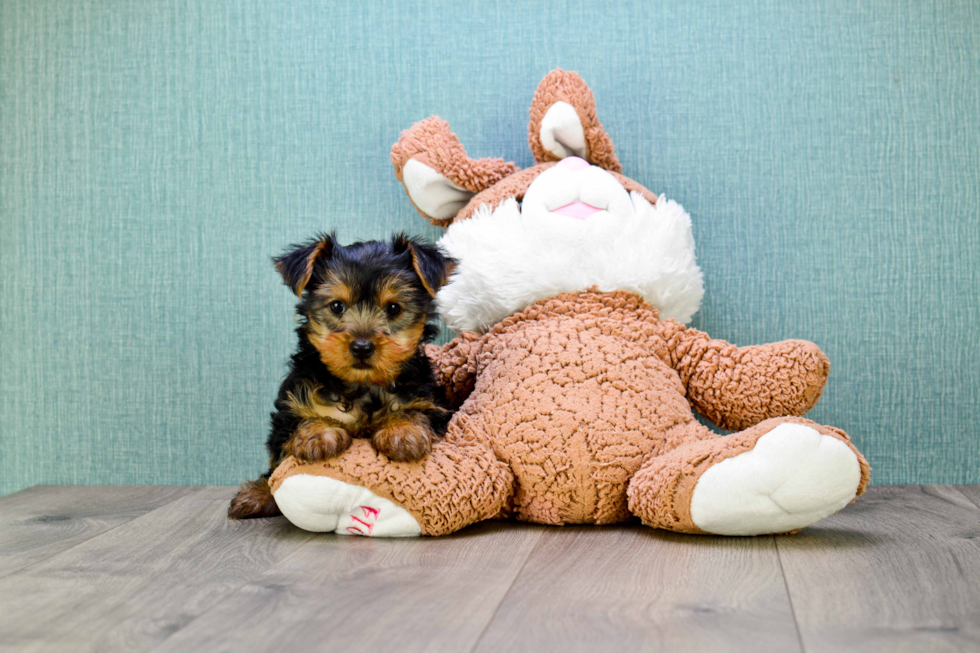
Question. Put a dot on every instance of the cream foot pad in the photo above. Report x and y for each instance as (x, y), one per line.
(793, 477)
(322, 504)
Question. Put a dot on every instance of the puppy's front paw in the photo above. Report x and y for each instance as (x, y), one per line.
(403, 439)
(315, 441)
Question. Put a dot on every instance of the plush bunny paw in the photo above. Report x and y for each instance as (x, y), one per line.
(323, 504)
(792, 477)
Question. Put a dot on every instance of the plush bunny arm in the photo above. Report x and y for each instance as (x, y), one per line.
(455, 365)
(738, 387)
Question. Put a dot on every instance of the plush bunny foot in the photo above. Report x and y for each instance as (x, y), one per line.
(363, 492)
(323, 504)
(793, 477)
(778, 476)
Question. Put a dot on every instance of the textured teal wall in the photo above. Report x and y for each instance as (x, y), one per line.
(155, 154)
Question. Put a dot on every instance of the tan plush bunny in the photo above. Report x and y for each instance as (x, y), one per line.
(575, 386)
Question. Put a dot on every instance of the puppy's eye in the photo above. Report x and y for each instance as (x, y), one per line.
(337, 307)
(393, 310)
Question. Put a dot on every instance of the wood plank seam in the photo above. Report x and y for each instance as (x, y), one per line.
(789, 597)
(969, 497)
(94, 537)
(311, 537)
(217, 604)
(84, 540)
(898, 571)
(173, 641)
(635, 588)
(513, 581)
(205, 506)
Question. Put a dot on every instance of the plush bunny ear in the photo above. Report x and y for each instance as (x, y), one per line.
(564, 123)
(437, 174)
(296, 263)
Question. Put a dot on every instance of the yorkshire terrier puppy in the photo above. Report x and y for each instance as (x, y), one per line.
(359, 371)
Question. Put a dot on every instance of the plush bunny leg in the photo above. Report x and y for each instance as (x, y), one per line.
(361, 492)
(778, 476)
(323, 504)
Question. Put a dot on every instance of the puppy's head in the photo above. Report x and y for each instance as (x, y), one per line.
(365, 306)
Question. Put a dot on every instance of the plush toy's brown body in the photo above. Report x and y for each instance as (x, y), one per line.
(578, 408)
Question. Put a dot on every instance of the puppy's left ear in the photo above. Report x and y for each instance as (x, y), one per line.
(296, 263)
(430, 264)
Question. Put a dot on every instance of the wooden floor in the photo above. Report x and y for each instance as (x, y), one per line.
(161, 569)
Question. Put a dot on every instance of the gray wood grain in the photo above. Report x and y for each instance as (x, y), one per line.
(631, 588)
(972, 492)
(44, 520)
(131, 587)
(355, 594)
(899, 570)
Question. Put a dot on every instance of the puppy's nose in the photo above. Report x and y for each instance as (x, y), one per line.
(361, 348)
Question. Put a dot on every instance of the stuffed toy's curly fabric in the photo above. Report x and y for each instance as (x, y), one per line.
(573, 373)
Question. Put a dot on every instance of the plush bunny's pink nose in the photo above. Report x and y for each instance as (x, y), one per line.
(576, 210)
(573, 163)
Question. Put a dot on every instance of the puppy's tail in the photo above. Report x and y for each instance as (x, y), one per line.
(254, 499)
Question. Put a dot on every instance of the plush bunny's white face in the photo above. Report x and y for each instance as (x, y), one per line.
(576, 228)
(574, 189)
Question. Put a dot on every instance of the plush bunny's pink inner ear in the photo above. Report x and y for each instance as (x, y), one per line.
(432, 192)
(561, 131)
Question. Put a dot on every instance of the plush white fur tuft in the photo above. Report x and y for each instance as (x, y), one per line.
(509, 261)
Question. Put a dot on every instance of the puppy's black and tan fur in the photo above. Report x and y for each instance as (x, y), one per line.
(360, 370)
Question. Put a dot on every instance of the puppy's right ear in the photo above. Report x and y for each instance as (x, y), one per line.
(438, 176)
(296, 263)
